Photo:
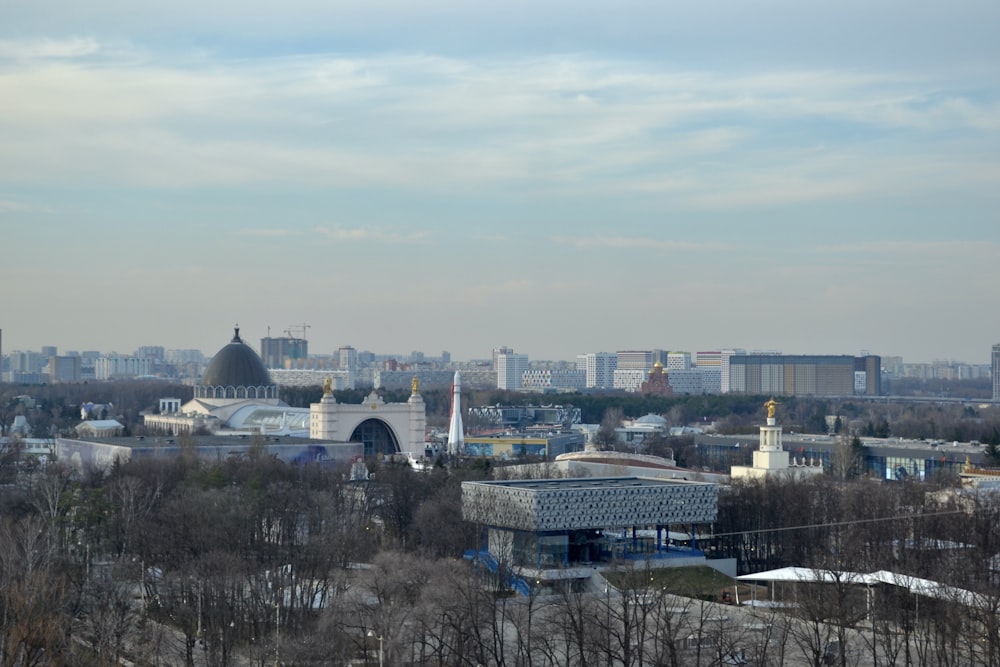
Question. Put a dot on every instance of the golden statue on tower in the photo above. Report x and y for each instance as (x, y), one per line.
(771, 406)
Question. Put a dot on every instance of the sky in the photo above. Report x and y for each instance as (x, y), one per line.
(558, 177)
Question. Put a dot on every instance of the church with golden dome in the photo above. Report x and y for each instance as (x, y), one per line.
(657, 384)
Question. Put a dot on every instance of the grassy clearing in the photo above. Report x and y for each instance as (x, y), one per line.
(697, 582)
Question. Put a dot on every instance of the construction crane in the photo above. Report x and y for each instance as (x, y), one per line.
(296, 328)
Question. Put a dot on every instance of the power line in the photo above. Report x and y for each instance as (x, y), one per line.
(838, 523)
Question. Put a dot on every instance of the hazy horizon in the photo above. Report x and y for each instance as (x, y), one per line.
(561, 179)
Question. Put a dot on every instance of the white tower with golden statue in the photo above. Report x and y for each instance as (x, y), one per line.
(770, 458)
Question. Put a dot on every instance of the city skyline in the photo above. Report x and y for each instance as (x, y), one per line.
(45, 351)
(562, 179)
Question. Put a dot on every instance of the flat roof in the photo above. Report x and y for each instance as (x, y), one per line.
(562, 484)
(153, 441)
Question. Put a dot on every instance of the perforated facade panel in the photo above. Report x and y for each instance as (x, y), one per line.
(577, 504)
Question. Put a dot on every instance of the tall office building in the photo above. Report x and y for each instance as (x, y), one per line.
(709, 365)
(996, 372)
(600, 368)
(283, 352)
(510, 369)
(64, 368)
(497, 351)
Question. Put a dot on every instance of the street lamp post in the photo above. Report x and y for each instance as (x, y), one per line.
(371, 633)
(607, 611)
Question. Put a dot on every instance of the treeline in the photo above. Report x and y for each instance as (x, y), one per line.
(946, 538)
(185, 561)
(199, 559)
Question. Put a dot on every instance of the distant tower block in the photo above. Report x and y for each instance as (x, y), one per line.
(456, 435)
(770, 459)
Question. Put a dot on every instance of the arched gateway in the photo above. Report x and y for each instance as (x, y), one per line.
(383, 428)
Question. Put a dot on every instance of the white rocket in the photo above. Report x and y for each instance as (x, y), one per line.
(456, 437)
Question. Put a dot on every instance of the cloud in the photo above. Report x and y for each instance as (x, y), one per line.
(602, 242)
(270, 233)
(918, 251)
(556, 125)
(22, 207)
(374, 234)
(44, 48)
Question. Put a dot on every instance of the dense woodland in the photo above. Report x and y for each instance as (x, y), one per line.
(252, 561)
(241, 561)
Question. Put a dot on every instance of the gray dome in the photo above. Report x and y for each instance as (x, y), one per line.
(236, 365)
(652, 419)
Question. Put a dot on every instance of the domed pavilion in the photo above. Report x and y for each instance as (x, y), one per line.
(236, 372)
(236, 392)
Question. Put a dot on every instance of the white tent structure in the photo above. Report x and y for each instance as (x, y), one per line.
(915, 585)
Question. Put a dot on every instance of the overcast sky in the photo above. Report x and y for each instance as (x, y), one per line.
(559, 177)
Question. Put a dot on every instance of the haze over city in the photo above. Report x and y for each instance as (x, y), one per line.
(561, 179)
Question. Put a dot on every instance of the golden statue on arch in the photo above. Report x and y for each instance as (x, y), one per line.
(327, 386)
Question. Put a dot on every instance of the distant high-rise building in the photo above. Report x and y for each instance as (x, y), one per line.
(510, 369)
(724, 358)
(64, 368)
(805, 375)
(115, 366)
(709, 366)
(497, 351)
(678, 361)
(996, 372)
(188, 356)
(600, 368)
(635, 360)
(687, 381)
(49, 351)
(633, 368)
(553, 378)
(283, 352)
(154, 352)
(347, 358)
(27, 362)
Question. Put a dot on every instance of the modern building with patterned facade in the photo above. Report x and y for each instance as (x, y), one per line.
(630, 379)
(558, 523)
(539, 379)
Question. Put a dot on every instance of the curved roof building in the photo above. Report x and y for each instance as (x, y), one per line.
(234, 384)
(236, 372)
